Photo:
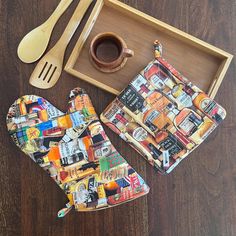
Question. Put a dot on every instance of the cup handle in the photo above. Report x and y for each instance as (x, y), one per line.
(128, 52)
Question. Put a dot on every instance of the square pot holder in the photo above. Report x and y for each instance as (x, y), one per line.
(162, 115)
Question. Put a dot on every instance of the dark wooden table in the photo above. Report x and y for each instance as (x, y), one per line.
(197, 199)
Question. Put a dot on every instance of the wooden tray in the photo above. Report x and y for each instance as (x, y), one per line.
(202, 63)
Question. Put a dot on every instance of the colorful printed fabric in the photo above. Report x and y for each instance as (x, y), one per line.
(75, 151)
(163, 115)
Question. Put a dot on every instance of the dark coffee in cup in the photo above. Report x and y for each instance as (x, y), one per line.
(109, 52)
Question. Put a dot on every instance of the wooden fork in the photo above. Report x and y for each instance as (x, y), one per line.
(49, 68)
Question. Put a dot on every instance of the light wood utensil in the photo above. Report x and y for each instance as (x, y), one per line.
(34, 44)
(49, 68)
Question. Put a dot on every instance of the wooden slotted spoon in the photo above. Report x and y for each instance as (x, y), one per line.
(49, 68)
(34, 44)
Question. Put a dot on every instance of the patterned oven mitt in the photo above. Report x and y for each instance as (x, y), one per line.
(163, 115)
(75, 151)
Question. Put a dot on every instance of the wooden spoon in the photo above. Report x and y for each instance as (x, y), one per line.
(34, 44)
(49, 68)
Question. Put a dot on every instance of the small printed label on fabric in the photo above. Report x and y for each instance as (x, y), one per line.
(53, 112)
(32, 133)
(138, 82)
(166, 158)
(70, 148)
(131, 99)
(140, 134)
(115, 173)
(77, 119)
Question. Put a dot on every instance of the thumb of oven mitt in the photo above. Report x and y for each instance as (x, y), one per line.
(75, 151)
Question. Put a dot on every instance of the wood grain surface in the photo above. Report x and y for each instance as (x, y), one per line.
(197, 199)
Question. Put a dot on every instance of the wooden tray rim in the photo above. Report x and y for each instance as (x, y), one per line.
(69, 67)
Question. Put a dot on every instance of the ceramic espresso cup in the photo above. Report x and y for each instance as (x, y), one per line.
(109, 52)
